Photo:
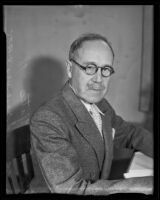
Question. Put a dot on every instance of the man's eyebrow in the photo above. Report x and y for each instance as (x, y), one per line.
(92, 62)
(89, 62)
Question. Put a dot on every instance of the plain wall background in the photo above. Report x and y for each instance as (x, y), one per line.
(38, 40)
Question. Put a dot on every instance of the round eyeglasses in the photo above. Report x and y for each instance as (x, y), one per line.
(91, 69)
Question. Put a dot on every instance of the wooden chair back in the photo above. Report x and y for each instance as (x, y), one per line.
(19, 166)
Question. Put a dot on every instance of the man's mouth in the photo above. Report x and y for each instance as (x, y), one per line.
(96, 87)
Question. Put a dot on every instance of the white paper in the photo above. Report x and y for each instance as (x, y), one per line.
(141, 165)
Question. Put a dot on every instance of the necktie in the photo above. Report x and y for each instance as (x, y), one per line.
(96, 117)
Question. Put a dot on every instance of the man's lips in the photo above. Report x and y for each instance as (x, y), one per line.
(96, 87)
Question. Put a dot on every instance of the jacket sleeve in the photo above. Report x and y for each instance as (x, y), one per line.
(59, 162)
(129, 135)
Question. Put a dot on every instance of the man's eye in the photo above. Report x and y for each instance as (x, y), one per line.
(106, 69)
(91, 66)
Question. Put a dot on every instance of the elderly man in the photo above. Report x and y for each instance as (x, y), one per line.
(73, 134)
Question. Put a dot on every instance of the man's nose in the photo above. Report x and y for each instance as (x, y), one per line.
(98, 75)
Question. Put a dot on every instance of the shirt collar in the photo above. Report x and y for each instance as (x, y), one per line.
(88, 107)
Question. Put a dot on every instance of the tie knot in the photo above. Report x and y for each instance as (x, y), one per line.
(93, 109)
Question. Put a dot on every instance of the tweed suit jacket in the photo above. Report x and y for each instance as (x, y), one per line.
(69, 148)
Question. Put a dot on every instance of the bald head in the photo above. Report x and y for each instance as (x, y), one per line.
(80, 41)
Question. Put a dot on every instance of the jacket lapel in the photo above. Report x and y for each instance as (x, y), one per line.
(85, 123)
(108, 140)
(107, 133)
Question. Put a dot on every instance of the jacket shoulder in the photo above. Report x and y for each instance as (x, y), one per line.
(52, 106)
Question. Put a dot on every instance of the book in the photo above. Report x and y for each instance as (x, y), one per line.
(141, 165)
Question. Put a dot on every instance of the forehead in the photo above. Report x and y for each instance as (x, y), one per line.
(95, 50)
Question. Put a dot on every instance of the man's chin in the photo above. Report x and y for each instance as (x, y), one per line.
(96, 98)
(91, 97)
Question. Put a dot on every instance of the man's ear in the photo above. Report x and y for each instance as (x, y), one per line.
(69, 68)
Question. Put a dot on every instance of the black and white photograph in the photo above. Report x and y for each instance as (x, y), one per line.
(79, 99)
